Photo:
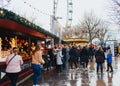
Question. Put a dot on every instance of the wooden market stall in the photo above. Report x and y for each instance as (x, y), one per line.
(77, 41)
(18, 31)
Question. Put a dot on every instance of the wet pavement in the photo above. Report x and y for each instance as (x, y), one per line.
(80, 77)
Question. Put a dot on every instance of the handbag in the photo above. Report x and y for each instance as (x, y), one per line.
(11, 59)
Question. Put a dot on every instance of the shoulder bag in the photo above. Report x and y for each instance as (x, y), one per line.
(11, 59)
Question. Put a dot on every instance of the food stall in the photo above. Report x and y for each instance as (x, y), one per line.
(77, 41)
(16, 31)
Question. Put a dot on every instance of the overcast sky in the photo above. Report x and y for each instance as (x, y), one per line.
(42, 9)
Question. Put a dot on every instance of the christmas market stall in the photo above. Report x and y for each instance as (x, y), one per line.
(77, 41)
(16, 31)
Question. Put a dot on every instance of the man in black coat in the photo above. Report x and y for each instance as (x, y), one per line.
(73, 57)
(84, 57)
(64, 56)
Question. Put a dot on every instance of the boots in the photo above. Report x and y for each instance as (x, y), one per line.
(111, 69)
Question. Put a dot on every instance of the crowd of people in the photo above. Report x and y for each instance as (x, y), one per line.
(62, 57)
(73, 57)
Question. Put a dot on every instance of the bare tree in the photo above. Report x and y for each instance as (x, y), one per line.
(67, 32)
(77, 31)
(89, 24)
(90, 27)
(74, 31)
(116, 11)
(102, 30)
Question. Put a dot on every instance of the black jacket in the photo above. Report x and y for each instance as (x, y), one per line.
(100, 56)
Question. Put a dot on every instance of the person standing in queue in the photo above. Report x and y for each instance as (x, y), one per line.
(13, 61)
(64, 56)
(84, 57)
(59, 58)
(100, 59)
(37, 64)
(109, 61)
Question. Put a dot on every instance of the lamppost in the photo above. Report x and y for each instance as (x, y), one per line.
(55, 25)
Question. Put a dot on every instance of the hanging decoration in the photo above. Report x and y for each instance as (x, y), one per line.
(4, 3)
(12, 16)
(36, 8)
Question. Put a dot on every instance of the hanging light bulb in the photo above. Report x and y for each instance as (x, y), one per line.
(1, 11)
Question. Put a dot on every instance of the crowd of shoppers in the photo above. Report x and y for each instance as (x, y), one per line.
(73, 57)
(62, 57)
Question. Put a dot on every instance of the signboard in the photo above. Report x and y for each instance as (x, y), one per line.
(112, 44)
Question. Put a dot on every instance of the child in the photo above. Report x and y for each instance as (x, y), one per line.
(109, 60)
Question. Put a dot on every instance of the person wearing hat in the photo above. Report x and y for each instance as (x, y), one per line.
(14, 62)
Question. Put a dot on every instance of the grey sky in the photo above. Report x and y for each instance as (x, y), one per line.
(45, 8)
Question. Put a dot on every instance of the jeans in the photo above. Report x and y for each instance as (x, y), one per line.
(100, 65)
(64, 64)
(13, 77)
(37, 69)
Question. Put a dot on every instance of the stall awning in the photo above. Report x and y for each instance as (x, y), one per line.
(75, 40)
(12, 21)
(11, 25)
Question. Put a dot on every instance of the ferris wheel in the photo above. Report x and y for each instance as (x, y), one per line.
(4, 3)
(68, 32)
(69, 11)
(69, 14)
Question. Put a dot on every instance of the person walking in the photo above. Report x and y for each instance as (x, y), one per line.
(13, 61)
(51, 57)
(109, 61)
(59, 58)
(67, 55)
(84, 57)
(64, 56)
(73, 57)
(100, 58)
(91, 53)
(37, 64)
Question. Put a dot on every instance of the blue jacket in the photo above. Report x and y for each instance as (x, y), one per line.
(109, 58)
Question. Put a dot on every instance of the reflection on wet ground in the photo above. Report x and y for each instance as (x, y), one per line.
(80, 77)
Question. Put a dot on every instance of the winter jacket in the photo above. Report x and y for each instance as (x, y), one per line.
(109, 58)
(14, 66)
(84, 55)
(59, 57)
(100, 56)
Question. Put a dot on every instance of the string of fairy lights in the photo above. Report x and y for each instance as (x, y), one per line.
(4, 3)
(51, 16)
(31, 6)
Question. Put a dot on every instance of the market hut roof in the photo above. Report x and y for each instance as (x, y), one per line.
(75, 39)
(5, 14)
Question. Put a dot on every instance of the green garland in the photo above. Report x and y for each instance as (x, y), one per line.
(12, 16)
